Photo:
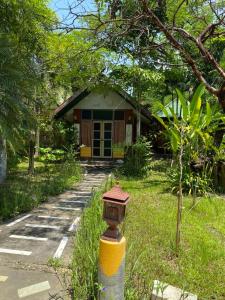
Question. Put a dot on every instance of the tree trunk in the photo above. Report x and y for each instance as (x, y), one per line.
(179, 196)
(194, 196)
(221, 96)
(31, 157)
(138, 123)
(37, 143)
(220, 133)
(3, 160)
(179, 217)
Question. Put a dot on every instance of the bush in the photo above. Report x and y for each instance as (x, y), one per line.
(13, 159)
(137, 159)
(196, 183)
(48, 155)
(21, 192)
(57, 133)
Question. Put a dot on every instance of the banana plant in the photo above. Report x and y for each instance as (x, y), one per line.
(198, 123)
(190, 135)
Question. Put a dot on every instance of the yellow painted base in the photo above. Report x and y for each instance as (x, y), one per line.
(118, 153)
(85, 151)
(111, 255)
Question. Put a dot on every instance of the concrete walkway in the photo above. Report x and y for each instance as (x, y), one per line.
(31, 240)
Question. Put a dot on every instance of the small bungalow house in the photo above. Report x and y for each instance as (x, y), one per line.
(106, 121)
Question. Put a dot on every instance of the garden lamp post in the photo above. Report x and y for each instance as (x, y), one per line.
(112, 246)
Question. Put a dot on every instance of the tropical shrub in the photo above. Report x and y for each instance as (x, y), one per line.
(137, 158)
(192, 139)
(193, 183)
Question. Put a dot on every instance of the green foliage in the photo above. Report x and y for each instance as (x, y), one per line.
(137, 33)
(13, 159)
(71, 61)
(194, 131)
(57, 134)
(20, 193)
(12, 109)
(144, 83)
(55, 263)
(193, 183)
(48, 155)
(137, 159)
(23, 29)
(61, 141)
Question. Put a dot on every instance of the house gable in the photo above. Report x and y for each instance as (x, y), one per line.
(106, 100)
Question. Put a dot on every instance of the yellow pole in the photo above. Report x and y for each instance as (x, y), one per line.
(112, 269)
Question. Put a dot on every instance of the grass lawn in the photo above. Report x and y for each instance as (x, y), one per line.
(21, 192)
(150, 231)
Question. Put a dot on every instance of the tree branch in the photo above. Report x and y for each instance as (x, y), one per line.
(199, 43)
(178, 46)
(177, 10)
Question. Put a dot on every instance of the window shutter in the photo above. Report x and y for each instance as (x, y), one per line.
(86, 132)
(119, 132)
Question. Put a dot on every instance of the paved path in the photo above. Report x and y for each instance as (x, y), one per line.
(28, 242)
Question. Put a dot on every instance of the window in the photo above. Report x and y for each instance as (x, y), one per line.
(86, 114)
(107, 152)
(107, 144)
(119, 115)
(108, 126)
(96, 152)
(96, 144)
(97, 135)
(102, 115)
(107, 135)
(97, 126)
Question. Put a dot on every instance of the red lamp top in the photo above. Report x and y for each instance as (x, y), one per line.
(116, 194)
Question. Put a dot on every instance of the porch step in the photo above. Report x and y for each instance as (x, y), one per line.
(100, 163)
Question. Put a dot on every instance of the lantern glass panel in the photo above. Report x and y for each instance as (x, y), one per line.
(113, 213)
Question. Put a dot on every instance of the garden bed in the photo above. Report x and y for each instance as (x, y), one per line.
(22, 192)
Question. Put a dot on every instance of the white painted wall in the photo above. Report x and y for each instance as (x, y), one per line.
(105, 100)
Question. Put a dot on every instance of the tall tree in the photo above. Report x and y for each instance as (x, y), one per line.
(139, 82)
(192, 30)
(12, 108)
(23, 28)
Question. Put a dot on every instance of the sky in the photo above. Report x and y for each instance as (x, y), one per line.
(61, 6)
